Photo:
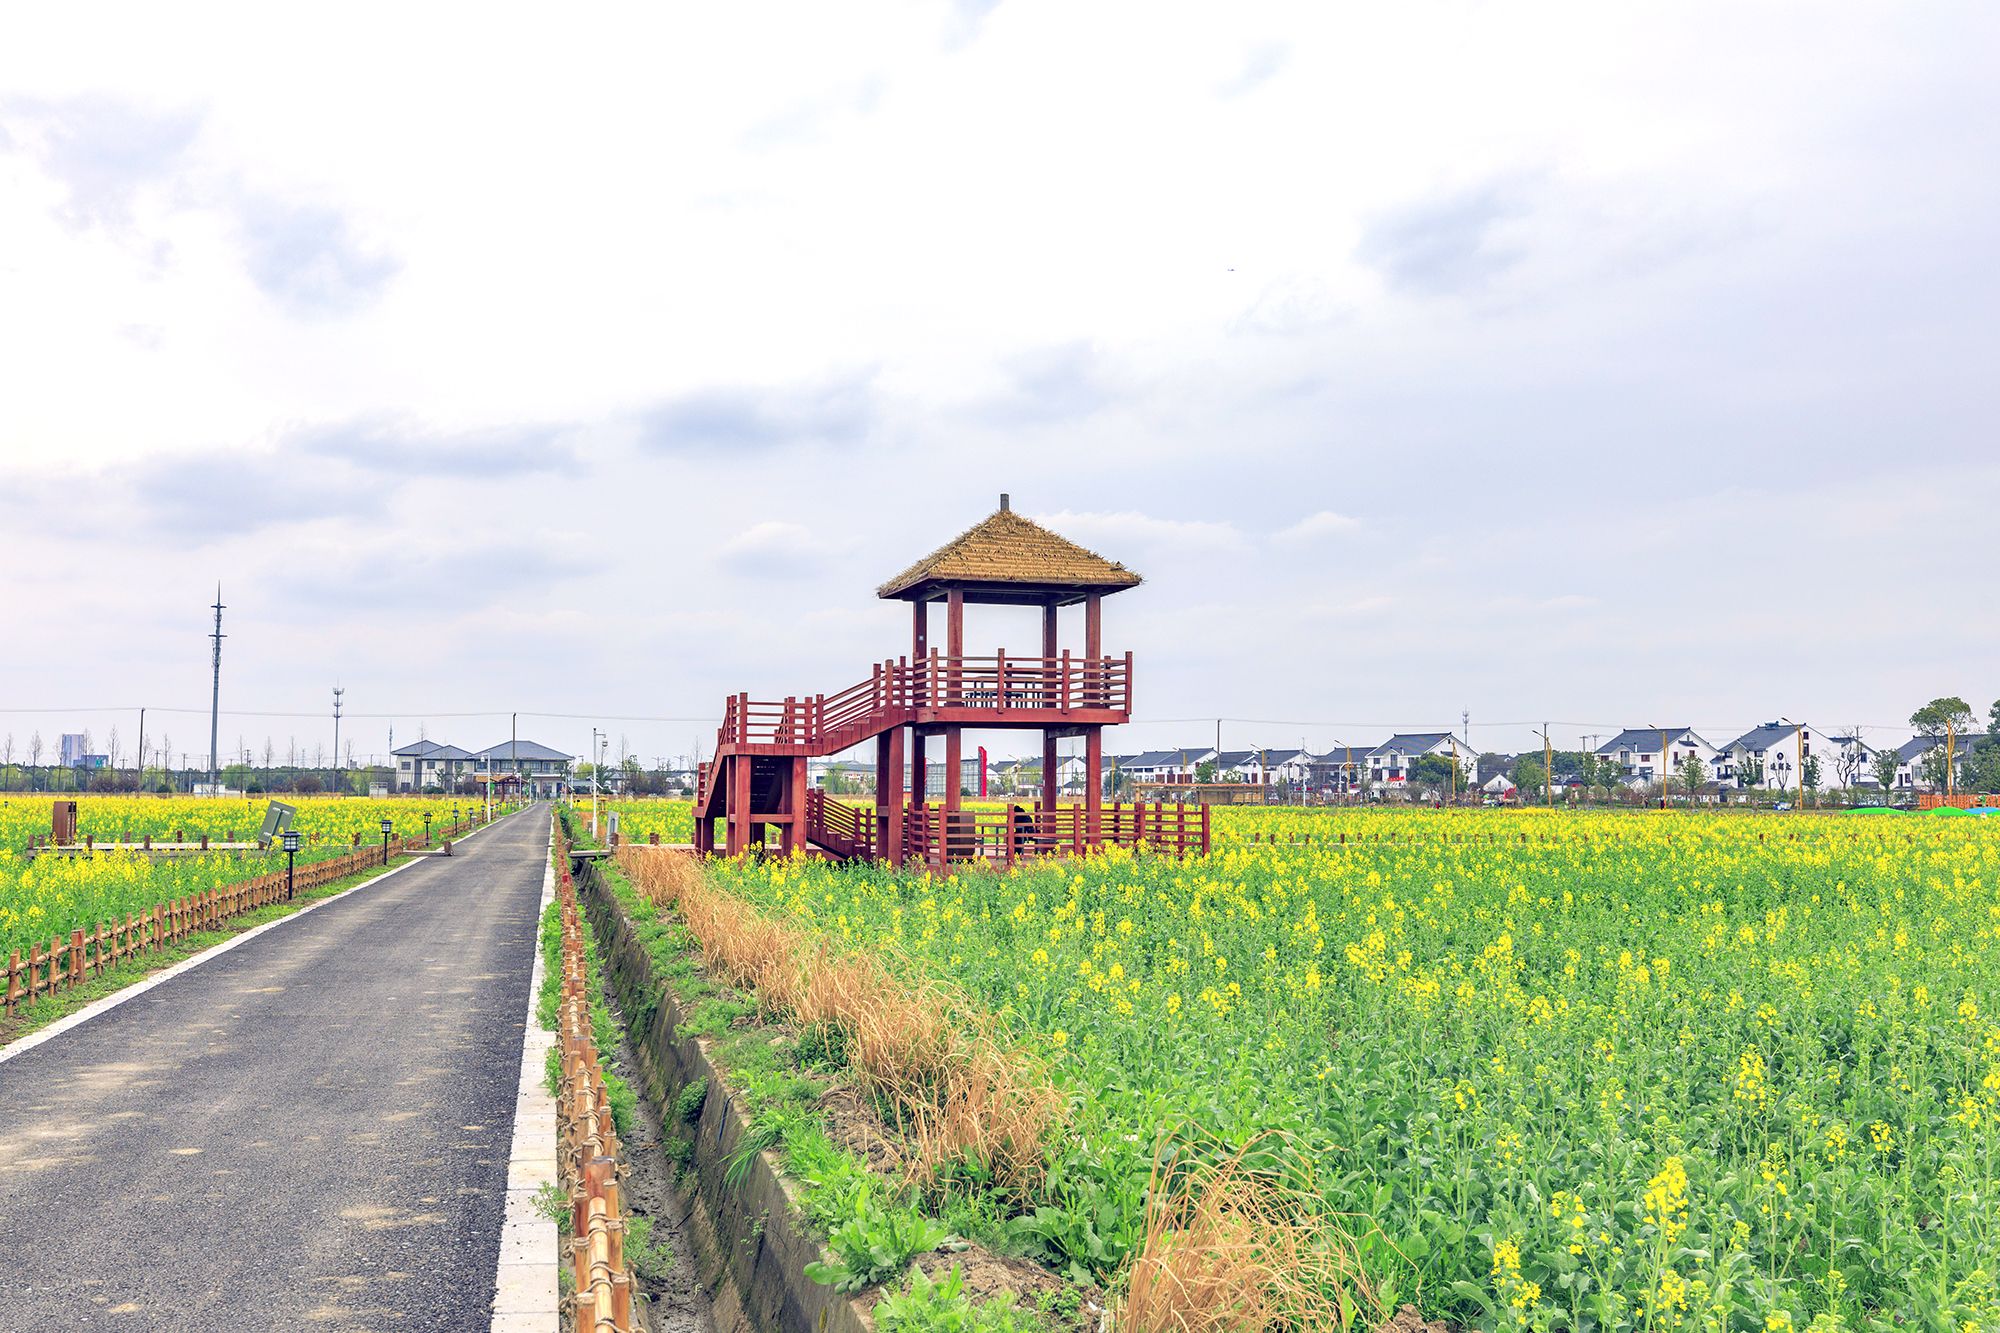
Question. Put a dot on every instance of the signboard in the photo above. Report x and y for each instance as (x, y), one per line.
(277, 818)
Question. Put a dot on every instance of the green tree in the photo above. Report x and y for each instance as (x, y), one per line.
(1935, 768)
(1692, 773)
(1885, 764)
(1204, 772)
(1529, 778)
(1809, 776)
(1437, 773)
(1984, 770)
(1946, 719)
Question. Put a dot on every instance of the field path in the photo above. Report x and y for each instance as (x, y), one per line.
(307, 1132)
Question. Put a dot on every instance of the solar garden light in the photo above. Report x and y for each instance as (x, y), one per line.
(291, 855)
(387, 828)
(427, 828)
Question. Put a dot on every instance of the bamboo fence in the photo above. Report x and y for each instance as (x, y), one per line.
(587, 1138)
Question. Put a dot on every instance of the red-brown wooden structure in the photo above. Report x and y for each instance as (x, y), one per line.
(758, 776)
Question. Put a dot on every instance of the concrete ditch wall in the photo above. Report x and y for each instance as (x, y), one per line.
(752, 1244)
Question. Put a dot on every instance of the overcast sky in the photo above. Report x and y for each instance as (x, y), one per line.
(1600, 364)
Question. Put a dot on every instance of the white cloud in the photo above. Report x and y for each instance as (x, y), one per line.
(1317, 528)
(775, 551)
(1129, 530)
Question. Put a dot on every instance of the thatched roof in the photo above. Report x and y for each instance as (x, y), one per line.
(1009, 558)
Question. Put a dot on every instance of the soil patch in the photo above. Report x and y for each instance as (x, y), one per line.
(852, 1123)
(1407, 1320)
(988, 1275)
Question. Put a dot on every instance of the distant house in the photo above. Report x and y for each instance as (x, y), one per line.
(1643, 754)
(1389, 763)
(430, 764)
(1910, 774)
(541, 771)
(1501, 786)
(1770, 758)
(1260, 767)
(1166, 765)
(1852, 761)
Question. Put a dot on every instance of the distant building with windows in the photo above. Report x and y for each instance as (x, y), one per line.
(1389, 763)
(1646, 754)
(1772, 758)
(542, 772)
(430, 764)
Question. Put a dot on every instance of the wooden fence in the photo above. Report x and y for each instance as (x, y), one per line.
(91, 950)
(1965, 801)
(587, 1139)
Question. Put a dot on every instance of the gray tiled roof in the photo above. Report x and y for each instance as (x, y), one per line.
(433, 750)
(520, 749)
(1642, 738)
(1414, 743)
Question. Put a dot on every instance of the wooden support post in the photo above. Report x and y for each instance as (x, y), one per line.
(1049, 782)
(920, 639)
(1093, 785)
(795, 806)
(953, 769)
(919, 781)
(1093, 648)
(891, 780)
(954, 639)
(737, 774)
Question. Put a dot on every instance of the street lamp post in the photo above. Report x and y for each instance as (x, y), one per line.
(1798, 757)
(427, 828)
(387, 827)
(291, 855)
(1664, 770)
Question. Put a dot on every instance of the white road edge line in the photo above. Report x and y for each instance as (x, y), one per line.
(138, 988)
(525, 1295)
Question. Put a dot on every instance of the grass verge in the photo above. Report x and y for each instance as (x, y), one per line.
(875, 1211)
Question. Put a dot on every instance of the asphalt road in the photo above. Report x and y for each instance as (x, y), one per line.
(307, 1132)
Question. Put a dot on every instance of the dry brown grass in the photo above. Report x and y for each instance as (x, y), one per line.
(962, 1093)
(1235, 1250)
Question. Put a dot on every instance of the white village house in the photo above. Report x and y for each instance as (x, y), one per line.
(1772, 758)
(1643, 754)
(1389, 763)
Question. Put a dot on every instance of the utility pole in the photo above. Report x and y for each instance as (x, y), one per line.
(1663, 768)
(337, 692)
(215, 701)
(514, 745)
(594, 765)
(142, 749)
(1548, 763)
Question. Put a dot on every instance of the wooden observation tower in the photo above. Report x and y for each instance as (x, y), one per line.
(758, 776)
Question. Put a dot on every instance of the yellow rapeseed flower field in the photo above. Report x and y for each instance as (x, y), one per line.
(47, 896)
(1549, 1071)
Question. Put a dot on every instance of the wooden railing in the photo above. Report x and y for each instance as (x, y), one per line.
(933, 835)
(846, 831)
(587, 1139)
(829, 723)
(89, 951)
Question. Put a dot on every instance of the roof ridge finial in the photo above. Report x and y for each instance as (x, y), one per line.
(1005, 505)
